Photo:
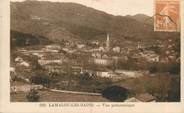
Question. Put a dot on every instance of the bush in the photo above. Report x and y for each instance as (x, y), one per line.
(153, 69)
(115, 93)
(85, 78)
(174, 69)
(174, 92)
(33, 96)
(41, 79)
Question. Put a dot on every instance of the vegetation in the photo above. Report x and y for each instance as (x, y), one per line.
(41, 78)
(33, 96)
(19, 39)
(174, 92)
(116, 93)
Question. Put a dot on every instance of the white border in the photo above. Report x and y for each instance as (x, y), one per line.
(6, 106)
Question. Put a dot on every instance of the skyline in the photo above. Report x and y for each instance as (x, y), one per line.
(114, 7)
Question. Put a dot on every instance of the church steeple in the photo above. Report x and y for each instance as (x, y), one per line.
(107, 42)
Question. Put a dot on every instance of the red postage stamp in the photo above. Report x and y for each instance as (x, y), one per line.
(167, 15)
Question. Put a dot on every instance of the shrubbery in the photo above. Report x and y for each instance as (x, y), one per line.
(33, 96)
(116, 93)
(42, 79)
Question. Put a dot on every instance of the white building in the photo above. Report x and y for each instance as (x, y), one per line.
(25, 64)
(116, 49)
(129, 74)
(105, 74)
(101, 61)
(19, 59)
(47, 61)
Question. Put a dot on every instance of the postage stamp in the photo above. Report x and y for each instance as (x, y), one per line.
(167, 15)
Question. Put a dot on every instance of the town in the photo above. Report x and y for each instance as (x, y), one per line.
(93, 66)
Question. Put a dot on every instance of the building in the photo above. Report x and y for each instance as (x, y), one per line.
(104, 74)
(102, 61)
(77, 70)
(146, 98)
(141, 98)
(54, 68)
(47, 61)
(53, 47)
(51, 58)
(25, 88)
(129, 74)
(116, 49)
(108, 43)
(132, 99)
(80, 46)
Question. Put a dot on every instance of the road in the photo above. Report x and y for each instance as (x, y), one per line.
(76, 92)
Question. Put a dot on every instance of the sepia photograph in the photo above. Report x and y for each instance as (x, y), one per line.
(95, 51)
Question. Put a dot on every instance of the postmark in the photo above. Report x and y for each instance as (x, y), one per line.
(167, 15)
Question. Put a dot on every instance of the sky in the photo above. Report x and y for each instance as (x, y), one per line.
(115, 7)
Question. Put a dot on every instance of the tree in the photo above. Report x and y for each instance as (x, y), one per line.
(174, 69)
(41, 78)
(33, 96)
(174, 92)
(85, 78)
(153, 69)
(159, 86)
(115, 93)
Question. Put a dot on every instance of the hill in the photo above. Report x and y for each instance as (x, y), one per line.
(57, 21)
(19, 39)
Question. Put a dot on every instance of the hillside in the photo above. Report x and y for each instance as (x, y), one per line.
(19, 39)
(57, 21)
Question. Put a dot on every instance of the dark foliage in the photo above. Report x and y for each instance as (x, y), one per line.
(174, 93)
(153, 69)
(41, 79)
(19, 39)
(33, 96)
(116, 93)
(85, 78)
(174, 69)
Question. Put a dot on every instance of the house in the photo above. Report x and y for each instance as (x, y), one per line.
(146, 97)
(80, 46)
(54, 68)
(33, 17)
(25, 64)
(152, 58)
(105, 56)
(39, 55)
(12, 69)
(96, 55)
(116, 49)
(101, 49)
(19, 59)
(48, 61)
(142, 98)
(164, 60)
(132, 99)
(25, 88)
(129, 74)
(51, 58)
(53, 47)
(104, 74)
(178, 60)
(95, 43)
(77, 70)
(102, 61)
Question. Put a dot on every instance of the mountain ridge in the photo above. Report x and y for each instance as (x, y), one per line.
(58, 21)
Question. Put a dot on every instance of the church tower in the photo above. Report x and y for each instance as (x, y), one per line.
(108, 42)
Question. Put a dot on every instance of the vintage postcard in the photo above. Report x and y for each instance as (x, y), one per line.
(91, 56)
